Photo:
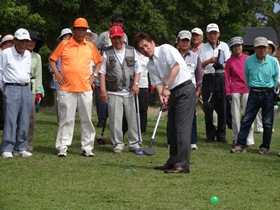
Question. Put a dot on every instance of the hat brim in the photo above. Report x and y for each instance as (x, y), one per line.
(121, 35)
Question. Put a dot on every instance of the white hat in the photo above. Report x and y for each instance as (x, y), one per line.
(184, 35)
(212, 27)
(197, 31)
(236, 40)
(260, 41)
(64, 32)
(7, 37)
(273, 46)
(22, 34)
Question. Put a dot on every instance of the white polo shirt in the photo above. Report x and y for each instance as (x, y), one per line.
(164, 59)
(206, 51)
(14, 68)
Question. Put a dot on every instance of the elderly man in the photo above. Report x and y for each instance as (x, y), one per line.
(119, 80)
(15, 64)
(194, 64)
(214, 54)
(172, 79)
(75, 92)
(261, 71)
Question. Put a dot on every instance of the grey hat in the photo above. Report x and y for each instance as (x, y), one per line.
(236, 40)
(260, 41)
(184, 35)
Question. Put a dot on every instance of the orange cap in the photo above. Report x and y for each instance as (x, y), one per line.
(81, 23)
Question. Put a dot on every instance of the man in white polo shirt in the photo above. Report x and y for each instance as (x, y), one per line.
(15, 64)
(214, 54)
(172, 79)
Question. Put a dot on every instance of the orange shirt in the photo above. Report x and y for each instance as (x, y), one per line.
(76, 63)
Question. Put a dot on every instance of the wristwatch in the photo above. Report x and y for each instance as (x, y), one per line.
(136, 83)
(95, 75)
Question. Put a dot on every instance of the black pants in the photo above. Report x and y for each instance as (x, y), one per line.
(216, 84)
(181, 106)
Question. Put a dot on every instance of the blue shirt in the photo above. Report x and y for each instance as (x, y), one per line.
(261, 75)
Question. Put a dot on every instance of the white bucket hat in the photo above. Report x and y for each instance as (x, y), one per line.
(64, 32)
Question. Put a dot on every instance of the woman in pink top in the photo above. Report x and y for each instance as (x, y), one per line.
(236, 88)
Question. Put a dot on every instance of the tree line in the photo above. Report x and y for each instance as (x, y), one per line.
(162, 19)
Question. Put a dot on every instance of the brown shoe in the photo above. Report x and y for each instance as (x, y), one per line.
(177, 170)
(234, 143)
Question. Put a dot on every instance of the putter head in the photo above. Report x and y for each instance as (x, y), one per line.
(149, 151)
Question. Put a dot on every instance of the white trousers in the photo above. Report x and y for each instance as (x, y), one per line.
(238, 105)
(68, 103)
(259, 119)
(116, 106)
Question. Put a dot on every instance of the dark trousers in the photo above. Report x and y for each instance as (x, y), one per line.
(1, 112)
(216, 84)
(143, 97)
(181, 106)
(101, 107)
(194, 130)
(257, 100)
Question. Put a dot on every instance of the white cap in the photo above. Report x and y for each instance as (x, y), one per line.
(236, 40)
(7, 37)
(184, 35)
(64, 32)
(260, 41)
(197, 31)
(212, 27)
(22, 34)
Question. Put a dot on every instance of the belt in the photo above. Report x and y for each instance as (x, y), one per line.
(262, 90)
(18, 84)
(181, 85)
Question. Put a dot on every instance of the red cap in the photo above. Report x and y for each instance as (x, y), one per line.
(116, 31)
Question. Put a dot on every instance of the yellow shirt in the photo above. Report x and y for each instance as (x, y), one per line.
(76, 63)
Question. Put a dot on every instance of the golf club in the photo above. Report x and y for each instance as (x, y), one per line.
(101, 139)
(149, 150)
(138, 151)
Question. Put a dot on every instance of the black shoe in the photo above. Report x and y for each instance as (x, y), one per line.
(164, 167)
(223, 140)
(208, 140)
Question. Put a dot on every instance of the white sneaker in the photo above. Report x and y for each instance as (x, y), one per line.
(117, 151)
(87, 153)
(63, 152)
(22, 154)
(194, 147)
(6, 155)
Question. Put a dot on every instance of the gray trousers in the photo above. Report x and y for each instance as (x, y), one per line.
(181, 107)
(116, 106)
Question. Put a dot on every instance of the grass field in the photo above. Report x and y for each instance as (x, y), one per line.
(127, 181)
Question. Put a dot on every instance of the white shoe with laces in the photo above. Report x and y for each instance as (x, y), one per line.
(7, 155)
(22, 154)
(194, 147)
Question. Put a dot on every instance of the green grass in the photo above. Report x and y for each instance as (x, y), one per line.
(127, 181)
